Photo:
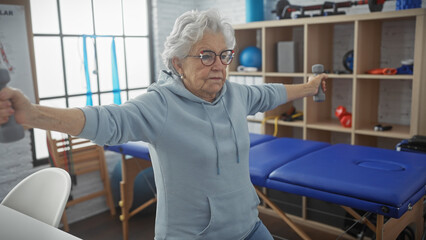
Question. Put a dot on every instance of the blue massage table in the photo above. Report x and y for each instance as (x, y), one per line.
(387, 183)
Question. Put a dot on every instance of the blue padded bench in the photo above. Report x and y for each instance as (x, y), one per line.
(385, 182)
(268, 156)
(375, 180)
(256, 139)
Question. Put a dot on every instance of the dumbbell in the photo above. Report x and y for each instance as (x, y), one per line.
(344, 117)
(10, 131)
(320, 96)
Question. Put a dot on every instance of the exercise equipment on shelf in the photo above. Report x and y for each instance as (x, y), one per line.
(251, 57)
(344, 117)
(291, 115)
(316, 70)
(383, 71)
(406, 67)
(284, 9)
(9, 131)
(348, 61)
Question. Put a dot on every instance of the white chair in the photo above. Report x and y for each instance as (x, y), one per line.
(42, 195)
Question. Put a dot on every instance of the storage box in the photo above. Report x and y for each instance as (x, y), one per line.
(286, 52)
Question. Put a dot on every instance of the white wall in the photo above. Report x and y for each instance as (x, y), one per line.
(15, 163)
(15, 158)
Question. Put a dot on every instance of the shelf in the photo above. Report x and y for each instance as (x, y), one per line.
(276, 74)
(333, 125)
(395, 77)
(409, 13)
(234, 73)
(254, 120)
(332, 75)
(285, 123)
(397, 131)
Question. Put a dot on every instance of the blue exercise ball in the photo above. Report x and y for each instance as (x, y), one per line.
(142, 189)
(251, 57)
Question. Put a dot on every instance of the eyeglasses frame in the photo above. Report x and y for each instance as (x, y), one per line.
(215, 55)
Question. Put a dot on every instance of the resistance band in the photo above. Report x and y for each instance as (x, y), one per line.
(115, 79)
(68, 150)
(89, 101)
(68, 163)
(275, 123)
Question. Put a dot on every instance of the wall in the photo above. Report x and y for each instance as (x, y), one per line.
(15, 158)
(15, 163)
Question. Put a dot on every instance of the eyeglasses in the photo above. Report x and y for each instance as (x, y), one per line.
(208, 57)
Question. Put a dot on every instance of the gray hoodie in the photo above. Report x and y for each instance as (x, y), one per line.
(199, 151)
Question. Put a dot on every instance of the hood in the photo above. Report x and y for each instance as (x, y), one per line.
(173, 83)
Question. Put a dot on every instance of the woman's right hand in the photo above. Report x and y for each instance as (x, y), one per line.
(14, 102)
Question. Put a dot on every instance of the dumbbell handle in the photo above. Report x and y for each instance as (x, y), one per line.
(10, 131)
(4, 78)
(320, 96)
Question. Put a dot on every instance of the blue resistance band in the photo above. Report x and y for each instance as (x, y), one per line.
(115, 80)
(89, 101)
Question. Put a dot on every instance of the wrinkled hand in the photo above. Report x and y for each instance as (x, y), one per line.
(315, 82)
(13, 101)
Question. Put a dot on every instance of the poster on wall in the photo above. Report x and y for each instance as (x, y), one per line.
(14, 50)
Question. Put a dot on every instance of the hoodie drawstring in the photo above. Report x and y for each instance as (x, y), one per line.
(233, 130)
(215, 140)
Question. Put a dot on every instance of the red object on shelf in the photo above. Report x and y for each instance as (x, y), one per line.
(344, 117)
(383, 71)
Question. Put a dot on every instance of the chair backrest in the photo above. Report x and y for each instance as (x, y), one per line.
(42, 195)
(76, 155)
(79, 156)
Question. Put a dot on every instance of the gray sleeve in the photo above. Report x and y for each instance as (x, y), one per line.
(139, 119)
(264, 97)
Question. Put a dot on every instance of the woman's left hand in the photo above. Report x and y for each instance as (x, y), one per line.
(315, 81)
(297, 91)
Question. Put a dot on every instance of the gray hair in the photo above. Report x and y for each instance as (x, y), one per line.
(189, 28)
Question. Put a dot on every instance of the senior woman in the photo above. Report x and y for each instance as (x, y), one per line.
(195, 123)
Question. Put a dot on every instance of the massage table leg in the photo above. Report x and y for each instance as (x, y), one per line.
(130, 169)
(283, 215)
(384, 230)
(393, 227)
(304, 207)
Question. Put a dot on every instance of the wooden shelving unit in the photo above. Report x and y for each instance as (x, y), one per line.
(314, 37)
